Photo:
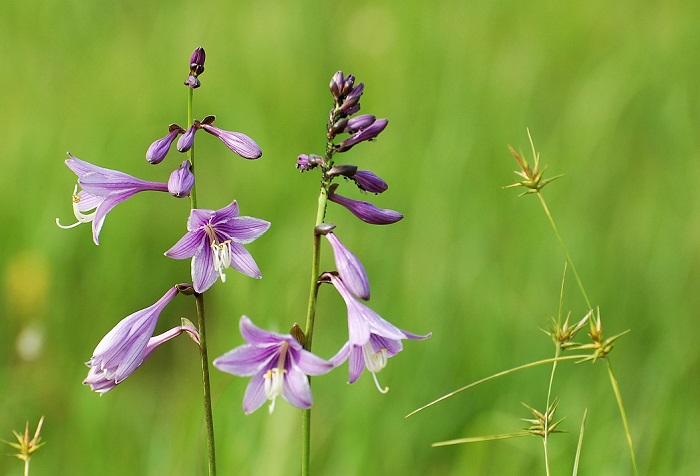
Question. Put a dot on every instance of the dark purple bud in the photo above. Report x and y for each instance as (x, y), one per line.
(348, 83)
(368, 133)
(324, 228)
(349, 112)
(358, 123)
(197, 62)
(365, 211)
(352, 99)
(369, 182)
(238, 142)
(186, 142)
(337, 82)
(181, 180)
(344, 170)
(159, 149)
(338, 127)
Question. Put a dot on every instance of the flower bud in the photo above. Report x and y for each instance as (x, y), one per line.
(369, 182)
(181, 180)
(344, 170)
(186, 142)
(365, 211)
(368, 133)
(159, 149)
(360, 122)
(197, 61)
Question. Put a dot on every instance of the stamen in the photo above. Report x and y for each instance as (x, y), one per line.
(375, 361)
(221, 252)
(379, 387)
(274, 378)
(79, 215)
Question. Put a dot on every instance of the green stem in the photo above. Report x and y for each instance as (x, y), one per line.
(623, 414)
(199, 300)
(545, 440)
(313, 295)
(208, 417)
(563, 247)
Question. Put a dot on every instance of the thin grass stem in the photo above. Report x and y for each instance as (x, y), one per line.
(623, 414)
(477, 439)
(580, 442)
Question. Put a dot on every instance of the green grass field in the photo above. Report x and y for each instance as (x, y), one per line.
(610, 93)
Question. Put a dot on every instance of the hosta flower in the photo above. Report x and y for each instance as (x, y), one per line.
(368, 133)
(278, 365)
(372, 340)
(102, 190)
(129, 344)
(365, 211)
(214, 240)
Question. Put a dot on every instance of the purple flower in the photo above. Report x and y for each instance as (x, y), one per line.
(128, 345)
(214, 240)
(368, 133)
(359, 123)
(181, 180)
(159, 149)
(349, 268)
(372, 340)
(102, 190)
(278, 364)
(365, 211)
(369, 182)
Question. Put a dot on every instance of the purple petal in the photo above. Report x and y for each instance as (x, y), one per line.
(254, 394)
(242, 261)
(312, 364)
(243, 230)
(187, 246)
(342, 355)
(296, 389)
(198, 218)
(245, 360)
(257, 336)
(181, 180)
(159, 149)
(101, 213)
(186, 142)
(356, 364)
(203, 273)
(366, 134)
(225, 214)
(349, 268)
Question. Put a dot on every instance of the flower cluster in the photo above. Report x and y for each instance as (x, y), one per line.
(277, 363)
(214, 239)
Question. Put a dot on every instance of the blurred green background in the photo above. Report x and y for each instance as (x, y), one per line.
(609, 91)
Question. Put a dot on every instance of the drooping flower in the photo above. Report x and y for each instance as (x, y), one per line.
(372, 340)
(102, 190)
(214, 240)
(159, 149)
(181, 180)
(129, 344)
(278, 365)
(237, 142)
(365, 211)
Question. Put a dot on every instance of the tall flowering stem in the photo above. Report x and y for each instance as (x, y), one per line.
(201, 321)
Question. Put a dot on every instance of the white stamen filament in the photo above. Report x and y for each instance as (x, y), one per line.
(375, 362)
(221, 252)
(274, 378)
(80, 216)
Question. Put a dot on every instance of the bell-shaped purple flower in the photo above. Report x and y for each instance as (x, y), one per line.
(214, 240)
(159, 149)
(181, 180)
(127, 345)
(372, 340)
(365, 211)
(278, 365)
(102, 190)
(349, 268)
(368, 133)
